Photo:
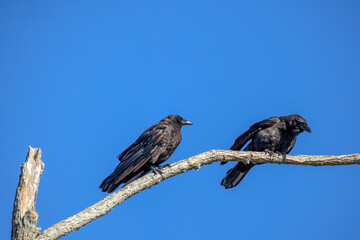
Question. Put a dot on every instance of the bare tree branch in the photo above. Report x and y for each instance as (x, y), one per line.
(108, 203)
(25, 216)
(24, 220)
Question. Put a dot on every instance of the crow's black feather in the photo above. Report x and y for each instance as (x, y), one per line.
(151, 149)
(275, 134)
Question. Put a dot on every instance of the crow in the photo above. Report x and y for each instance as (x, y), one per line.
(272, 135)
(151, 149)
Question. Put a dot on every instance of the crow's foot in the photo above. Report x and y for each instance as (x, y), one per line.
(282, 155)
(164, 166)
(271, 153)
(156, 171)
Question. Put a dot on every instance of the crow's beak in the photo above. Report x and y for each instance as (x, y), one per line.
(186, 122)
(305, 127)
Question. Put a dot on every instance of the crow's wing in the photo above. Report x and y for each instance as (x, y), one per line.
(137, 155)
(246, 136)
(249, 134)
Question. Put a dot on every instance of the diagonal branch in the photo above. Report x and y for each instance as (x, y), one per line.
(108, 203)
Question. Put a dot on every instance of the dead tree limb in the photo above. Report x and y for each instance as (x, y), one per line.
(108, 203)
(24, 220)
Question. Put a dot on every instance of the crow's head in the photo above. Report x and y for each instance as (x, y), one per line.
(179, 120)
(298, 124)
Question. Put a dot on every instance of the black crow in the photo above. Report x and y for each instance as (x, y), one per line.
(151, 149)
(275, 134)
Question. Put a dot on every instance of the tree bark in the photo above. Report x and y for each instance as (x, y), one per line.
(24, 220)
(108, 203)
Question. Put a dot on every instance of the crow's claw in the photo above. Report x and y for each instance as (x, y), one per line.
(271, 153)
(156, 171)
(282, 155)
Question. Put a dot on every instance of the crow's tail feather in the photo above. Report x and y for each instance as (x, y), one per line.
(236, 174)
(111, 182)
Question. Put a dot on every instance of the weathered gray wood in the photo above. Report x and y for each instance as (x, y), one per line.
(24, 220)
(107, 204)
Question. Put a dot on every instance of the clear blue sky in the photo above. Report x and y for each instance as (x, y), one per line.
(83, 79)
